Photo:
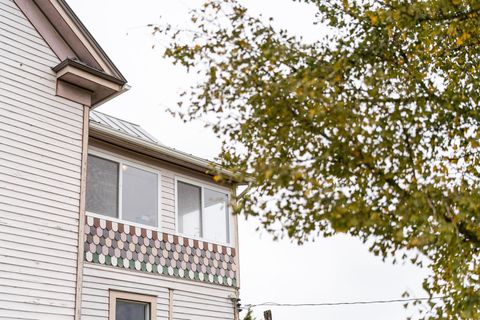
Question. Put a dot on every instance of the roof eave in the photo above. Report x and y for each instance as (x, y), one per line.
(161, 152)
(92, 78)
(95, 85)
(92, 40)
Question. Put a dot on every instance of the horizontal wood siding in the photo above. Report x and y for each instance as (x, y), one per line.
(168, 201)
(191, 300)
(40, 158)
(191, 305)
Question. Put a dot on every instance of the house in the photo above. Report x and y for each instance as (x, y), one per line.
(98, 220)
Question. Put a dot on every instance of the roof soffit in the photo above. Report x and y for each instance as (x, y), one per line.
(83, 62)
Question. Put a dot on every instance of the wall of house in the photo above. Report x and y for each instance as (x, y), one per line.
(191, 300)
(40, 157)
(203, 275)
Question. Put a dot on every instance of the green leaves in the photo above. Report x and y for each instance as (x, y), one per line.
(370, 131)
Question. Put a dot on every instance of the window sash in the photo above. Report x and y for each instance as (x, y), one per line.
(145, 177)
(202, 210)
(196, 196)
(99, 177)
(206, 219)
(151, 301)
(120, 163)
(146, 308)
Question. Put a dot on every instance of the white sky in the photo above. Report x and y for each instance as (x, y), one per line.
(329, 270)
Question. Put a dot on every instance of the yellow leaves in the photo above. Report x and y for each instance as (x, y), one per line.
(307, 193)
(415, 242)
(213, 74)
(474, 143)
(452, 30)
(390, 31)
(298, 175)
(373, 16)
(396, 15)
(464, 37)
(268, 173)
(242, 43)
(341, 229)
(299, 91)
(217, 178)
(373, 19)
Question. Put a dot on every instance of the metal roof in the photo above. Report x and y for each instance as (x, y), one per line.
(122, 126)
(133, 136)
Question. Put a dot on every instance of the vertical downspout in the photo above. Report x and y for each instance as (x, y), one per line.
(81, 219)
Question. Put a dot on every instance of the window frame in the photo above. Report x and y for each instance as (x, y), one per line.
(202, 185)
(122, 161)
(115, 295)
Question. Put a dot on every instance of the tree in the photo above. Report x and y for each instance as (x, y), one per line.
(371, 131)
(249, 315)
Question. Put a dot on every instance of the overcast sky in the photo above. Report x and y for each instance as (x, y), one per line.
(328, 270)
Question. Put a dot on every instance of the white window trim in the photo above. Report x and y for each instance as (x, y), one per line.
(134, 297)
(122, 161)
(202, 185)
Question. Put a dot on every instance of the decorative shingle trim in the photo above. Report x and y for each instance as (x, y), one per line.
(124, 246)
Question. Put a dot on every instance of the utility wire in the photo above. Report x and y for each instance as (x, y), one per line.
(276, 304)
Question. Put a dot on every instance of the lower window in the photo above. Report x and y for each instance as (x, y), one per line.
(131, 306)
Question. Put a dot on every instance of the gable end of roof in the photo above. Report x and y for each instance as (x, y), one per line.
(83, 63)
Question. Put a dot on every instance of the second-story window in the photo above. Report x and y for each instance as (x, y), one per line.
(120, 190)
(203, 212)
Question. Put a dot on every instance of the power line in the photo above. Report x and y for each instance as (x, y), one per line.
(320, 304)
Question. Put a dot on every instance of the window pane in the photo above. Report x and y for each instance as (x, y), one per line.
(188, 209)
(102, 186)
(139, 196)
(129, 310)
(215, 216)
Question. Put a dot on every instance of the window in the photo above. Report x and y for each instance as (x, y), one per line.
(189, 203)
(132, 310)
(131, 306)
(202, 212)
(120, 190)
(102, 186)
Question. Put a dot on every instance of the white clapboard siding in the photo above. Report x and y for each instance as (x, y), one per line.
(168, 201)
(40, 161)
(190, 305)
(191, 300)
(31, 212)
(61, 227)
(33, 167)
